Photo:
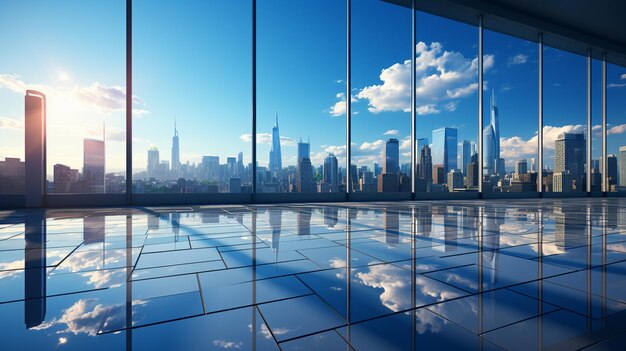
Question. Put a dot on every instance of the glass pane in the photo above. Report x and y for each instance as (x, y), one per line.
(53, 50)
(564, 121)
(596, 122)
(447, 105)
(191, 133)
(381, 101)
(301, 72)
(616, 127)
(510, 115)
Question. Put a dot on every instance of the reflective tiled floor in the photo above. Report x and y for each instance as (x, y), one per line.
(520, 275)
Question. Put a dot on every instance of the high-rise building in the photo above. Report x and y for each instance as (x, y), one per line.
(93, 165)
(421, 142)
(175, 154)
(210, 167)
(391, 157)
(521, 167)
(472, 174)
(466, 155)
(622, 166)
(491, 140)
(611, 171)
(12, 172)
(64, 178)
(425, 170)
(153, 162)
(331, 173)
(455, 179)
(304, 151)
(439, 174)
(444, 149)
(562, 181)
(304, 176)
(569, 155)
(533, 165)
(276, 159)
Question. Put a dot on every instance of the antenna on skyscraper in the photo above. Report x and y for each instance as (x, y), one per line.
(276, 125)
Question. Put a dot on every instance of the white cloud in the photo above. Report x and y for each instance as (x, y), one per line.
(515, 148)
(623, 76)
(376, 145)
(616, 85)
(517, 59)
(617, 129)
(266, 138)
(227, 344)
(442, 77)
(101, 97)
(391, 132)
(339, 108)
(9, 123)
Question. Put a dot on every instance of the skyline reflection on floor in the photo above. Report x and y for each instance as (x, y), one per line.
(523, 274)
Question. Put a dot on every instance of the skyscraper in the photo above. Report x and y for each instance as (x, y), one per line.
(304, 176)
(276, 160)
(569, 155)
(391, 156)
(153, 162)
(175, 153)
(304, 150)
(466, 155)
(420, 145)
(331, 173)
(444, 150)
(491, 140)
(611, 170)
(425, 170)
(521, 167)
(622, 166)
(93, 165)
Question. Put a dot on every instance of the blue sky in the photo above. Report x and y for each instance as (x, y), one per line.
(191, 62)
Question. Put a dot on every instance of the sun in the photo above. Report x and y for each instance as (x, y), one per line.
(63, 76)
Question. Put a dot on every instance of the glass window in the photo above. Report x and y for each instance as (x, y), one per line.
(192, 80)
(510, 115)
(447, 104)
(564, 121)
(596, 125)
(616, 128)
(301, 74)
(381, 101)
(73, 52)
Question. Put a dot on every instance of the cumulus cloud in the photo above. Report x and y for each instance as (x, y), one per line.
(376, 145)
(517, 59)
(616, 129)
(441, 77)
(266, 138)
(103, 98)
(9, 123)
(623, 76)
(227, 344)
(392, 132)
(515, 148)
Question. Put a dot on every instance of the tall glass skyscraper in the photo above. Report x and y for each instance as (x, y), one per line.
(175, 152)
(276, 163)
(93, 165)
(391, 155)
(466, 155)
(444, 150)
(304, 150)
(491, 139)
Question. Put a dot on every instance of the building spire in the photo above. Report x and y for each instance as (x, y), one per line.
(175, 130)
(276, 124)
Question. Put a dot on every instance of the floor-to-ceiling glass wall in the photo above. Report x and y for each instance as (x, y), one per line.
(596, 125)
(564, 121)
(616, 128)
(381, 96)
(192, 94)
(510, 145)
(446, 95)
(301, 96)
(72, 52)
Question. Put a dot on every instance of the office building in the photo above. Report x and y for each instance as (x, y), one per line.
(444, 149)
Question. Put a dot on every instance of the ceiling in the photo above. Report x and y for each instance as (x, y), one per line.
(573, 25)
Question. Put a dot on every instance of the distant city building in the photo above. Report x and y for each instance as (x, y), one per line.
(388, 183)
(521, 167)
(622, 166)
(93, 166)
(425, 167)
(491, 139)
(533, 165)
(611, 171)
(175, 153)
(444, 148)
(569, 155)
(153, 162)
(391, 157)
(562, 181)
(466, 155)
(439, 174)
(234, 185)
(304, 151)
(64, 177)
(276, 160)
(12, 176)
(331, 173)
(304, 176)
(455, 179)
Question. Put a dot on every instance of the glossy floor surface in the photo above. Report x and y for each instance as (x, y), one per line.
(519, 275)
